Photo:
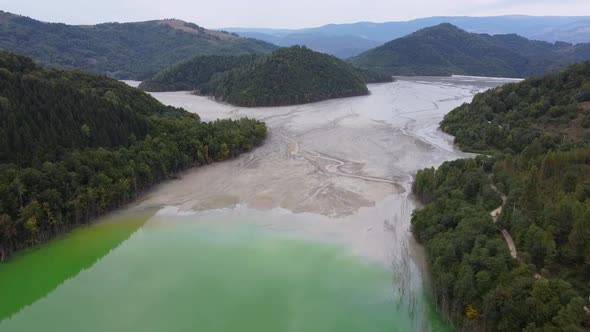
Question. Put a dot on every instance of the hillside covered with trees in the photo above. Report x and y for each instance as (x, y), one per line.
(552, 109)
(288, 76)
(120, 50)
(74, 146)
(190, 75)
(374, 76)
(194, 74)
(444, 50)
(538, 171)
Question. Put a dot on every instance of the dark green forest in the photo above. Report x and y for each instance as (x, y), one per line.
(539, 159)
(445, 50)
(191, 74)
(374, 76)
(194, 74)
(120, 50)
(288, 76)
(553, 109)
(74, 146)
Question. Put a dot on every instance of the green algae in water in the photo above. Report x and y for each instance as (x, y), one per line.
(206, 276)
(32, 274)
(190, 277)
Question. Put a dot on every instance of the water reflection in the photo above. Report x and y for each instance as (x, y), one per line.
(225, 270)
(33, 274)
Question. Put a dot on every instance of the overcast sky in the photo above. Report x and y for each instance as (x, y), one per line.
(279, 13)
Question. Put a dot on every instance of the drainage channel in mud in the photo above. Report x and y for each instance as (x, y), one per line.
(308, 232)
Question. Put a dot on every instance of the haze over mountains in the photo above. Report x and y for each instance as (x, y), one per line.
(140, 50)
(447, 50)
(345, 40)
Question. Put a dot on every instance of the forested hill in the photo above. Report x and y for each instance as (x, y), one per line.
(75, 145)
(124, 51)
(538, 132)
(553, 109)
(191, 74)
(374, 76)
(447, 50)
(288, 76)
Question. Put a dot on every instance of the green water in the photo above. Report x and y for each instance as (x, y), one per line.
(198, 276)
(31, 275)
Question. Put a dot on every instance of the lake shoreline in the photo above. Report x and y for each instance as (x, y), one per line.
(335, 173)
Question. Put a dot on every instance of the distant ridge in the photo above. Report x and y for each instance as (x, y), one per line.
(350, 39)
(121, 50)
(447, 50)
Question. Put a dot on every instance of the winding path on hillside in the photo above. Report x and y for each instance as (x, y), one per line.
(511, 246)
(495, 215)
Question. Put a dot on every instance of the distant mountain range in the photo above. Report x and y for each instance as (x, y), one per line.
(446, 50)
(121, 50)
(140, 50)
(342, 46)
(346, 40)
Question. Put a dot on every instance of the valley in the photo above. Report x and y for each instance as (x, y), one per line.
(426, 174)
(350, 207)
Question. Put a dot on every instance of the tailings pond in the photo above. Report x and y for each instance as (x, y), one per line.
(308, 232)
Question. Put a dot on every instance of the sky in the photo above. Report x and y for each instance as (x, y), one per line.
(280, 13)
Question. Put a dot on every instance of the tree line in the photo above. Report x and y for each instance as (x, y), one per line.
(445, 50)
(288, 76)
(194, 74)
(75, 146)
(121, 50)
(508, 118)
(545, 177)
(190, 75)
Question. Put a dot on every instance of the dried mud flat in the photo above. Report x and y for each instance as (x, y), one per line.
(340, 169)
(329, 158)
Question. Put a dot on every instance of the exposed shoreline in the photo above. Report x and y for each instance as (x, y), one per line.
(329, 158)
(337, 173)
